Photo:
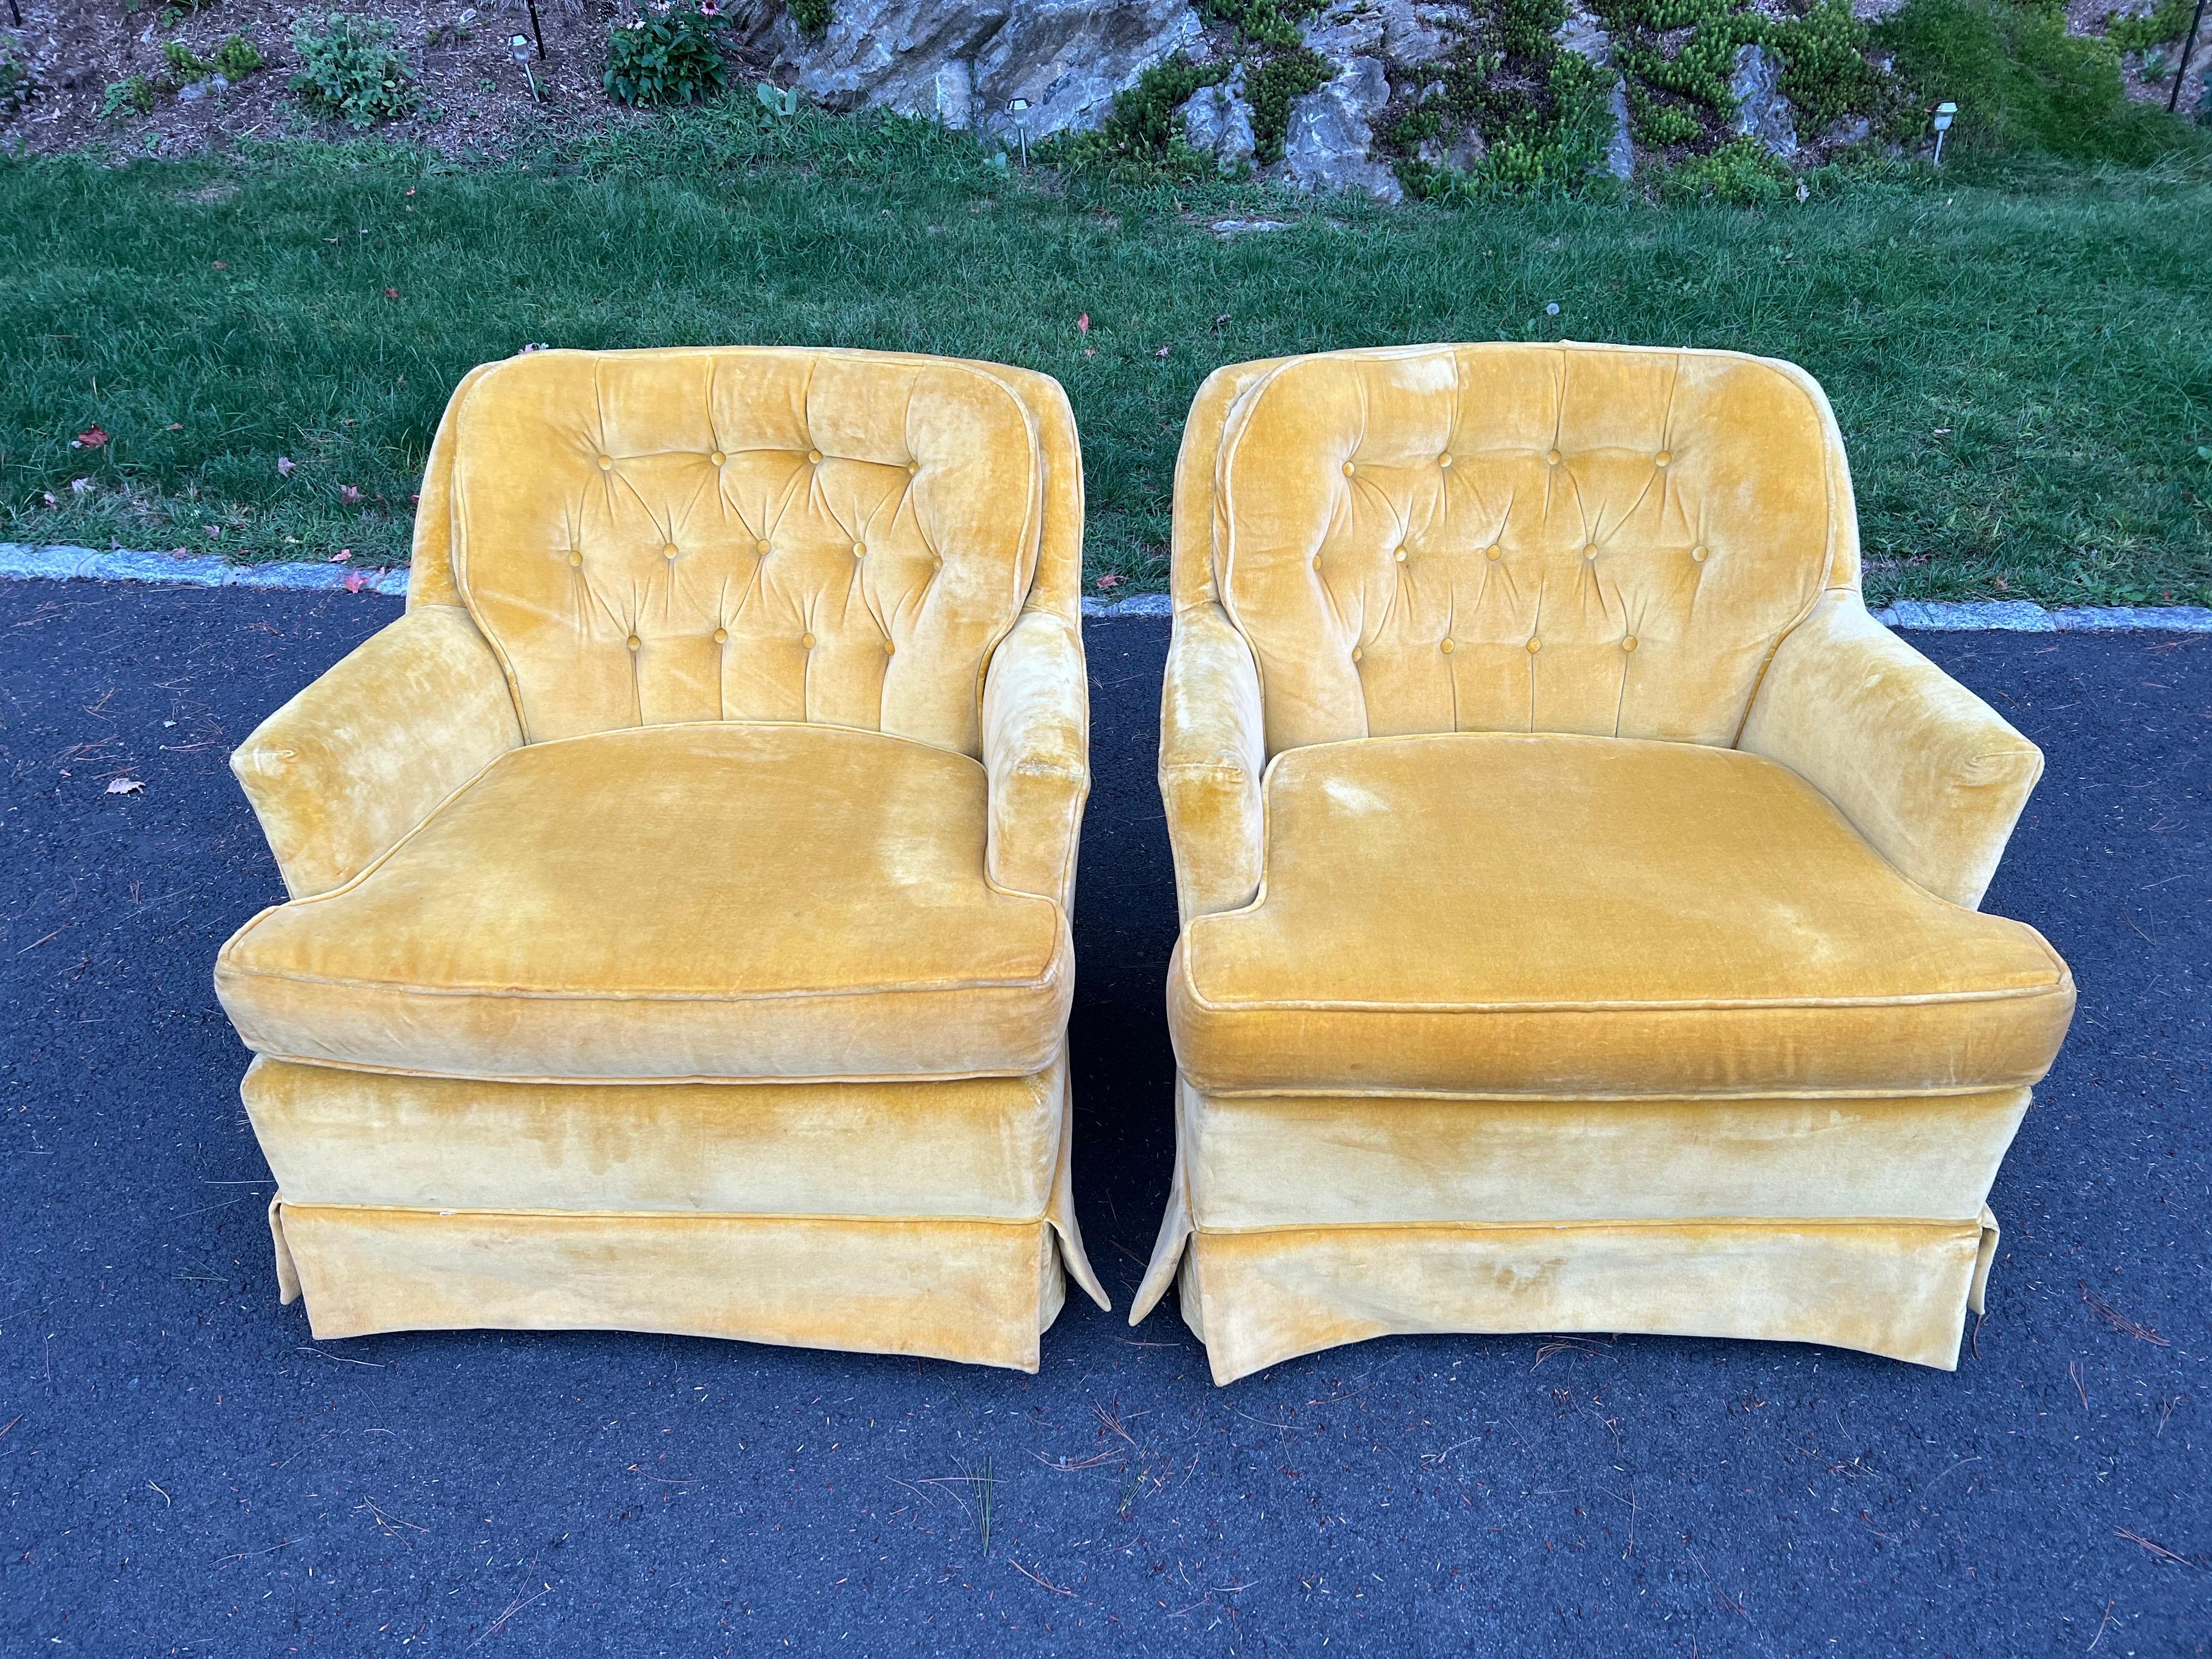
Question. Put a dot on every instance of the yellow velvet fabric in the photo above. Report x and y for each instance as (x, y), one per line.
(969, 1149)
(679, 937)
(1577, 884)
(1563, 914)
(1498, 537)
(711, 901)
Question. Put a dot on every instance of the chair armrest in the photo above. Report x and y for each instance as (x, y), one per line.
(340, 773)
(1213, 758)
(1929, 773)
(1036, 753)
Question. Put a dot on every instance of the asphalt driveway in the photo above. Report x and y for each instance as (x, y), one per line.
(186, 1471)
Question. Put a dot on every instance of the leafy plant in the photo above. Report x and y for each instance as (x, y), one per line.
(812, 16)
(131, 95)
(669, 54)
(2140, 31)
(184, 67)
(2022, 82)
(348, 69)
(1824, 71)
(17, 83)
(1264, 22)
(1140, 137)
(1743, 174)
(1658, 125)
(237, 57)
(1272, 89)
(780, 102)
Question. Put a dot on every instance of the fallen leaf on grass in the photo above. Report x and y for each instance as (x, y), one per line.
(1082, 323)
(342, 556)
(391, 294)
(349, 495)
(285, 466)
(90, 438)
(1164, 350)
(355, 581)
(124, 786)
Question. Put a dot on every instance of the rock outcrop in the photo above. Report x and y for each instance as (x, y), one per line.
(966, 65)
(1584, 36)
(1218, 122)
(1761, 110)
(1331, 133)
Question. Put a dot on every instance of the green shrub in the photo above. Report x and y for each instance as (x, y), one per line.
(2021, 83)
(1824, 71)
(237, 57)
(349, 69)
(17, 83)
(1264, 22)
(672, 55)
(1657, 125)
(1140, 137)
(1740, 174)
(1538, 153)
(812, 16)
(1271, 88)
(183, 68)
(131, 95)
(2169, 21)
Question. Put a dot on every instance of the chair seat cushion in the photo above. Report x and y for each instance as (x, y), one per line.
(1548, 915)
(673, 902)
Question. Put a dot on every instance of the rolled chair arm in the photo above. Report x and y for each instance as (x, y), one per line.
(1929, 774)
(1037, 752)
(341, 773)
(1213, 759)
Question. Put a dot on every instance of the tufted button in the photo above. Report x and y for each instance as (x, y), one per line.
(860, 549)
(1698, 554)
(1629, 644)
(761, 548)
(1444, 460)
(634, 642)
(889, 649)
(1662, 458)
(575, 557)
(1590, 552)
(1535, 646)
(913, 467)
(670, 550)
(1349, 469)
(815, 455)
(1355, 653)
(1555, 457)
(718, 458)
(1494, 551)
(1316, 562)
(721, 636)
(807, 640)
(1400, 555)
(1447, 647)
(606, 463)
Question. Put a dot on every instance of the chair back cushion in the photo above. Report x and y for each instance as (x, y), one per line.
(1597, 539)
(647, 538)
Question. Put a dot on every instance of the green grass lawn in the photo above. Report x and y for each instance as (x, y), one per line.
(2023, 374)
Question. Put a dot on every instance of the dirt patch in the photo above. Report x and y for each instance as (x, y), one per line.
(475, 98)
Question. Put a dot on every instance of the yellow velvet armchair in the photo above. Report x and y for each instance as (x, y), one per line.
(1578, 887)
(678, 932)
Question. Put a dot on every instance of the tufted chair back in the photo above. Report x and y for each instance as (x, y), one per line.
(1506, 537)
(750, 533)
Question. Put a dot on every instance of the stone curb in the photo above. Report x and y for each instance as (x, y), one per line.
(20, 560)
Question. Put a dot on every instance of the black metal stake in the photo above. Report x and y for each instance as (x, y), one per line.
(540, 32)
(2195, 25)
(15, 10)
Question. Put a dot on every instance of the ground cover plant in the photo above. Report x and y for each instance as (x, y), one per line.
(248, 354)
